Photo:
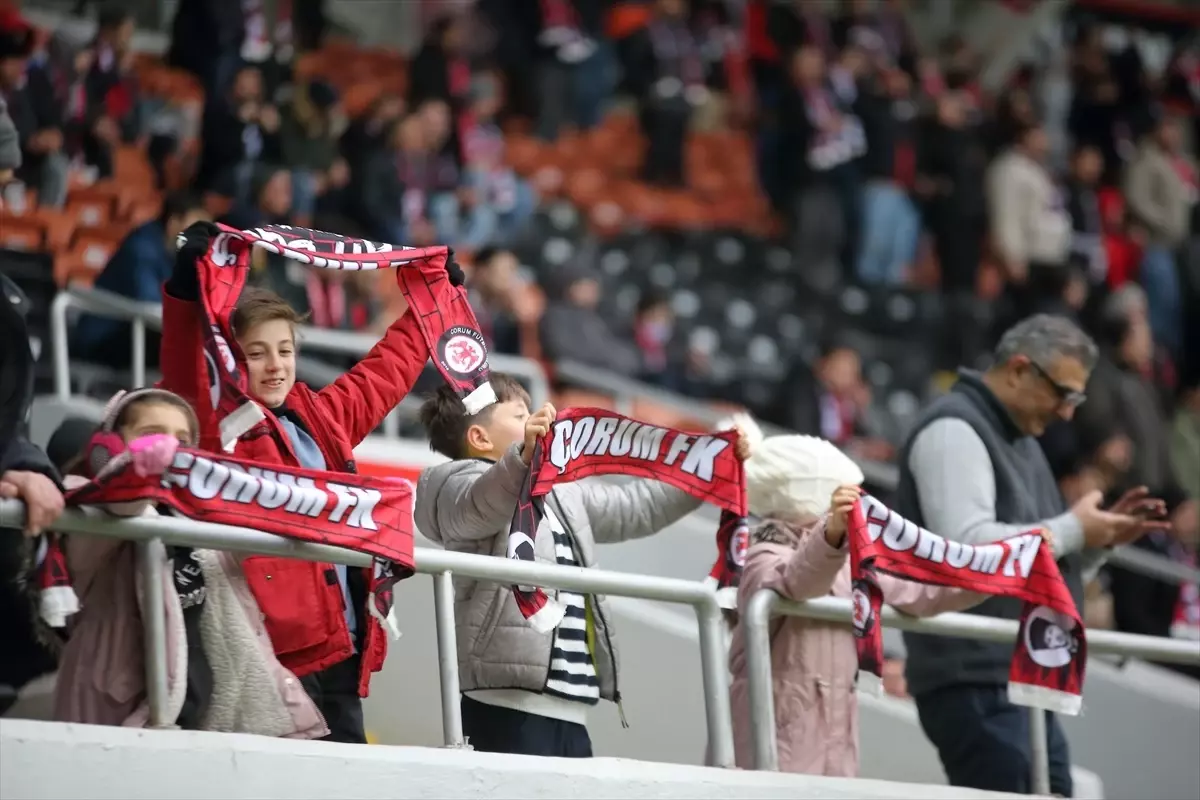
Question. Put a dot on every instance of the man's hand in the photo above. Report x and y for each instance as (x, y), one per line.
(537, 426)
(46, 141)
(893, 678)
(43, 501)
(268, 118)
(1109, 528)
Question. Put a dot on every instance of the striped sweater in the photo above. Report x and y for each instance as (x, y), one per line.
(572, 669)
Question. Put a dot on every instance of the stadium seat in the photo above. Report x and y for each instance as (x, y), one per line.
(25, 233)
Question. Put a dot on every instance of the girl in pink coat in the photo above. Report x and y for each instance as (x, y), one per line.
(800, 551)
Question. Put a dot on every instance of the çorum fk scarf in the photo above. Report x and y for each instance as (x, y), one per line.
(447, 323)
(1051, 651)
(590, 441)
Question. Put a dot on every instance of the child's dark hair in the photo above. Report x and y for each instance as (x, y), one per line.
(446, 420)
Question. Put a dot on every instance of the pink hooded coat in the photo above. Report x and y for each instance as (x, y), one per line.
(813, 663)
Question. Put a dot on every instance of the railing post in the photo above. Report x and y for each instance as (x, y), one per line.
(447, 645)
(58, 341)
(757, 619)
(1039, 754)
(714, 666)
(138, 353)
(152, 555)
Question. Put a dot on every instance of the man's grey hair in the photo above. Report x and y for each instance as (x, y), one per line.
(1123, 303)
(1045, 338)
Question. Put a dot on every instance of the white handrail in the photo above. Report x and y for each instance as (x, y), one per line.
(152, 533)
(756, 617)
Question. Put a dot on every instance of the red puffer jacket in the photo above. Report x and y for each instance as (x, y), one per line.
(301, 600)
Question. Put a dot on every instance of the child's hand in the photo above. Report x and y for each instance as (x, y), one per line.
(1047, 538)
(744, 444)
(537, 426)
(844, 499)
(153, 454)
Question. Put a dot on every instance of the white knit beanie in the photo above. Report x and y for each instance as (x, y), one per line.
(793, 475)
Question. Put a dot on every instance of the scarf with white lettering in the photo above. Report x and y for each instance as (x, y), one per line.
(1051, 651)
(447, 323)
(365, 514)
(591, 441)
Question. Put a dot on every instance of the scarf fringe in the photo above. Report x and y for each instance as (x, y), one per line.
(548, 617)
(869, 683)
(1027, 694)
(236, 424)
(480, 398)
(56, 603)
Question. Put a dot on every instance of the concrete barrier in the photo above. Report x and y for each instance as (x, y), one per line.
(51, 761)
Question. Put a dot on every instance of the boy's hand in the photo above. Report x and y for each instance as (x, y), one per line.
(537, 426)
(844, 499)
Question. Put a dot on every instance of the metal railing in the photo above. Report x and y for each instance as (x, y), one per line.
(143, 316)
(756, 618)
(153, 533)
(148, 316)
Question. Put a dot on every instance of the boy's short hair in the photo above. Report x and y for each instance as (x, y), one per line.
(257, 306)
(446, 420)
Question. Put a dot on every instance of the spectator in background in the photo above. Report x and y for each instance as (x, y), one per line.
(206, 40)
(830, 400)
(392, 196)
(493, 295)
(654, 334)
(891, 223)
(239, 131)
(572, 328)
(951, 164)
(111, 88)
(665, 70)
(10, 149)
(572, 65)
(367, 135)
(136, 270)
(308, 141)
(1030, 227)
(1123, 394)
(823, 141)
(269, 200)
(457, 210)
(504, 202)
(1185, 436)
(972, 471)
(38, 120)
(441, 70)
(1160, 201)
(1087, 220)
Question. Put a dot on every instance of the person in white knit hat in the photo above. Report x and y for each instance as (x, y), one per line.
(803, 489)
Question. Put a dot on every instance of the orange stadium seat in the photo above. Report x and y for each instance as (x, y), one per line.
(24, 232)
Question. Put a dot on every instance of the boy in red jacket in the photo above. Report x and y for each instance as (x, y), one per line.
(315, 613)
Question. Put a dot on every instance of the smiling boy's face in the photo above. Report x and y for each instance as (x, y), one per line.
(270, 349)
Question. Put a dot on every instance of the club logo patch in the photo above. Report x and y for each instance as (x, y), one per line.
(864, 618)
(462, 351)
(1050, 638)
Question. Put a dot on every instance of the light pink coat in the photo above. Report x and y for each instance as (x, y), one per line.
(101, 677)
(813, 663)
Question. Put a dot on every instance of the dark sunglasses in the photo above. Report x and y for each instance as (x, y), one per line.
(1066, 395)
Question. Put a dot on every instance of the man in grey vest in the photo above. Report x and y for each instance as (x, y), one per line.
(973, 471)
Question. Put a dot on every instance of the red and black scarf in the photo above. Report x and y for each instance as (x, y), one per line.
(365, 514)
(447, 323)
(1051, 651)
(591, 441)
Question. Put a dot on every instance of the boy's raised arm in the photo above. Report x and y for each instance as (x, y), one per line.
(181, 354)
(364, 395)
